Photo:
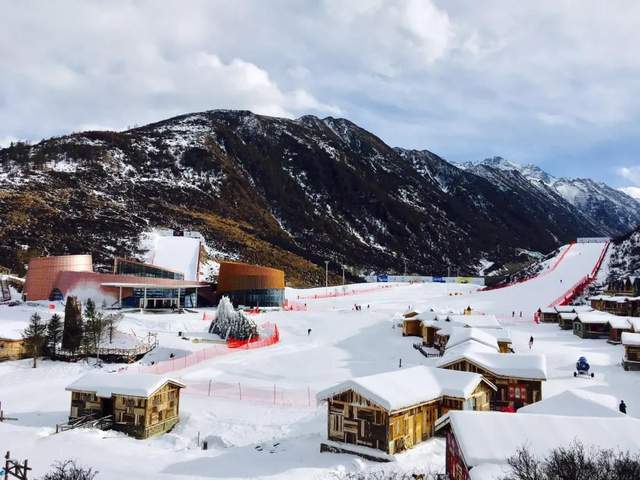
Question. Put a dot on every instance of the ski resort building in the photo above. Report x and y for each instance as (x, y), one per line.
(251, 285)
(140, 405)
(631, 343)
(518, 378)
(566, 319)
(622, 305)
(384, 414)
(591, 325)
(617, 326)
(578, 403)
(479, 444)
(12, 348)
(548, 315)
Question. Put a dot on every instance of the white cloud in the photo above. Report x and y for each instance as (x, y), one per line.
(633, 192)
(631, 174)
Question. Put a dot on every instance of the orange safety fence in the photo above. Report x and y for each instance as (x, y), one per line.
(291, 306)
(271, 395)
(217, 350)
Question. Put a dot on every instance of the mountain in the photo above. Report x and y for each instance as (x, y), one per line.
(624, 261)
(279, 192)
(607, 210)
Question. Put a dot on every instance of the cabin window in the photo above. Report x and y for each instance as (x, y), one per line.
(469, 404)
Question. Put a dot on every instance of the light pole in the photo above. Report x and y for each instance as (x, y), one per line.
(405, 267)
(326, 276)
(343, 275)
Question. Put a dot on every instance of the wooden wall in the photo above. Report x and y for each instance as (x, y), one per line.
(12, 349)
(512, 391)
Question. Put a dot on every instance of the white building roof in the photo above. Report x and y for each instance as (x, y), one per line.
(406, 387)
(133, 385)
(631, 339)
(532, 366)
(462, 335)
(576, 403)
(493, 437)
(635, 323)
(619, 322)
(594, 317)
(568, 315)
(179, 254)
(615, 298)
(573, 308)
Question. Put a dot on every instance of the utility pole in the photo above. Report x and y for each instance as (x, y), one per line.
(405, 266)
(326, 276)
(343, 275)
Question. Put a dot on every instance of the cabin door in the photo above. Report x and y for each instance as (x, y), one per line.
(418, 427)
(107, 406)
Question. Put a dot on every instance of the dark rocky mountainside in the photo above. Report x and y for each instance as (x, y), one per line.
(625, 256)
(279, 192)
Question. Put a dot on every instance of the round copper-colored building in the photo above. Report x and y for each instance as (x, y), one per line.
(43, 271)
(251, 285)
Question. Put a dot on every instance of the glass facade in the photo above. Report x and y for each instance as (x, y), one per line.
(268, 297)
(128, 267)
(161, 298)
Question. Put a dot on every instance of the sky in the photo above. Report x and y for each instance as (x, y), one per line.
(553, 83)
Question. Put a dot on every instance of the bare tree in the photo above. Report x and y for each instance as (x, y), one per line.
(69, 470)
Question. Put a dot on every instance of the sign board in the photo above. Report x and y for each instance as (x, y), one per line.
(382, 278)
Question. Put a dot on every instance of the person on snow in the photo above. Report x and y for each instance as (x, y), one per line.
(530, 342)
(520, 314)
(513, 314)
(308, 332)
(623, 407)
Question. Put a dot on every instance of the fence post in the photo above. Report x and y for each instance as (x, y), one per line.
(209, 394)
(274, 393)
(240, 390)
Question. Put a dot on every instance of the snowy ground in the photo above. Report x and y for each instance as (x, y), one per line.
(249, 439)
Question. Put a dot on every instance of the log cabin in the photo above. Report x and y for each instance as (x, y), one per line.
(631, 343)
(140, 405)
(617, 326)
(576, 402)
(12, 349)
(548, 315)
(380, 415)
(566, 319)
(591, 325)
(412, 327)
(479, 444)
(625, 306)
(518, 378)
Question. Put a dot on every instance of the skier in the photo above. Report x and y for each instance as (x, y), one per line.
(308, 332)
(513, 314)
(400, 364)
(530, 342)
(171, 355)
(623, 407)
(520, 314)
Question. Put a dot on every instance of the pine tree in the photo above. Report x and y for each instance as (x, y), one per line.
(94, 326)
(54, 333)
(34, 337)
(73, 331)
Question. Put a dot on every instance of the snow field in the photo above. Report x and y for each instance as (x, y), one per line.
(249, 439)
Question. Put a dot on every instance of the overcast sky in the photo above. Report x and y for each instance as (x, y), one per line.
(555, 83)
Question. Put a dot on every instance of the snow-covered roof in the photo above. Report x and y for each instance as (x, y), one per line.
(594, 317)
(406, 387)
(461, 335)
(479, 321)
(179, 254)
(578, 403)
(424, 316)
(568, 315)
(573, 308)
(619, 322)
(548, 310)
(493, 437)
(530, 366)
(489, 471)
(132, 385)
(635, 323)
(631, 339)
(615, 298)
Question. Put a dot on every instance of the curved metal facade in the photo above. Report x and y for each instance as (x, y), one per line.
(251, 285)
(43, 271)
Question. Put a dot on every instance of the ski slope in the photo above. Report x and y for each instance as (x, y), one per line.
(249, 439)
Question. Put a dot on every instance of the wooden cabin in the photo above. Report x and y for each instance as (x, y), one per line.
(617, 326)
(548, 315)
(140, 405)
(591, 325)
(412, 327)
(381, 415)
(12, 349)
(518, 378)
(631, 343)
(429, 332)
(625, 306)
(479, 444)
(566, 319)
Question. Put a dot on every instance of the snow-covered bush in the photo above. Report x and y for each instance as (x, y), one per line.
(230, 323)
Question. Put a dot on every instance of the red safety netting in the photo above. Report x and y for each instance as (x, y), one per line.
(270, 337)
(578, 287)
(291, 306)
(272, 395)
